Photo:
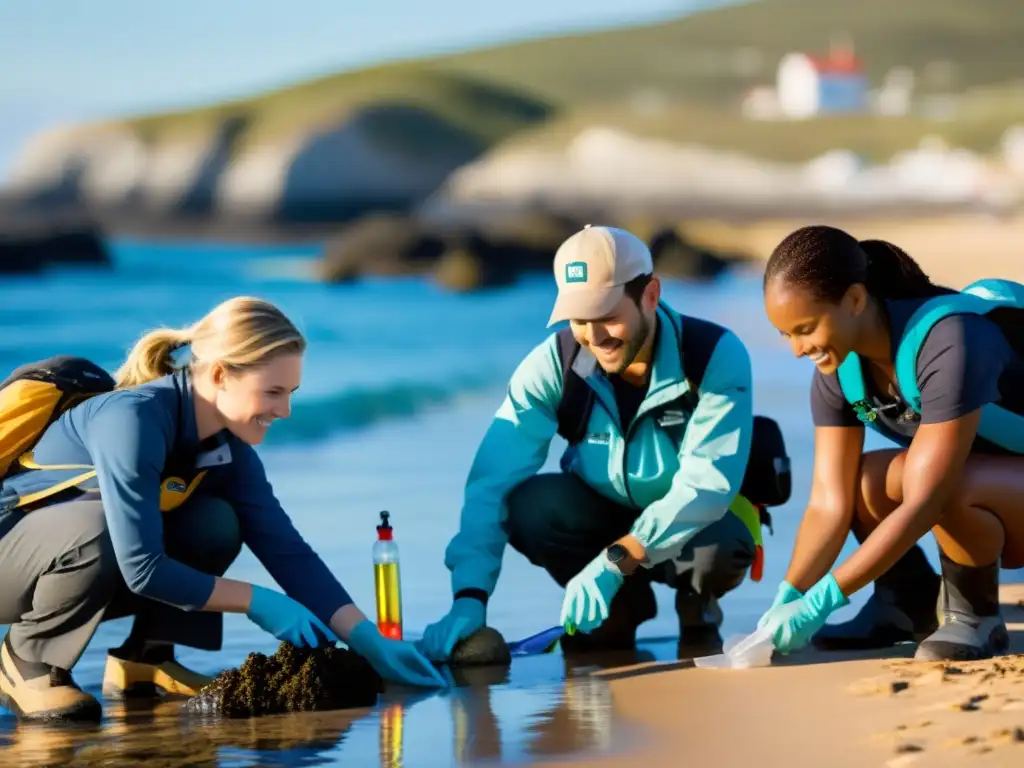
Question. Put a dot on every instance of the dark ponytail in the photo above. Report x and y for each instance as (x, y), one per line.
(892, 274)
(826, 261)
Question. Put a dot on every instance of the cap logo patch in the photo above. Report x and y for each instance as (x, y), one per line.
(576, 272)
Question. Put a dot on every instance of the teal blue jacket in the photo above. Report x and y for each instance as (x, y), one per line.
(680, 488)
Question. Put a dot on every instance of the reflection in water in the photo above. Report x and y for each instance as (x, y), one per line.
(390, 742)
(475, 728)
(161, 736)
(541, 707)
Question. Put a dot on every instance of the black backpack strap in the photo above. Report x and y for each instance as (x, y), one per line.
(767, 479)
(697, 343)
(577, 397)
(699, 339)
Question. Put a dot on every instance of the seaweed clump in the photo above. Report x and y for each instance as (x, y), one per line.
(485, 647)
(292, 680)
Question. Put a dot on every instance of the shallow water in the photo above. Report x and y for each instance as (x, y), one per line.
(400, 383)
(540, 708)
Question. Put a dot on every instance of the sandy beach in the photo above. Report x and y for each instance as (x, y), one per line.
(844, 709)
(817, 709)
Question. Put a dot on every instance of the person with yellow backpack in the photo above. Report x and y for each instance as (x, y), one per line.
(132, 495)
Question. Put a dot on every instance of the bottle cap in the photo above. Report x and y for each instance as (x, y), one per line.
(384, 531)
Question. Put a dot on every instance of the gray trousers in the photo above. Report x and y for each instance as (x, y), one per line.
(59, 578)
(560, 523)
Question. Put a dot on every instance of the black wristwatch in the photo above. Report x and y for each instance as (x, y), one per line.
(476, 594)
(616, 553)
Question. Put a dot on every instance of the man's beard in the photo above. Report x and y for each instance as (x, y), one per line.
(634, 345)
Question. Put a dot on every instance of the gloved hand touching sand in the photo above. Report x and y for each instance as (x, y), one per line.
(793, 624)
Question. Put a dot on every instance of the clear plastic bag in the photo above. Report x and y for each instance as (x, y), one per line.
(741, 652)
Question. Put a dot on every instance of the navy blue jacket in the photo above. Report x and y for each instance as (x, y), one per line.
(130, 436)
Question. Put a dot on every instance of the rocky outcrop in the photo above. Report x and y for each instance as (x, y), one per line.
(382, 157)
(31, 244)
(381, 244)
(676, 256)
(487, 251)
(318, 153)
(461, 256)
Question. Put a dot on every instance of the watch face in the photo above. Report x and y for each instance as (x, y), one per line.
(616, 553)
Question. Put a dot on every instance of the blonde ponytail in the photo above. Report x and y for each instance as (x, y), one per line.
(150, 358)
(239, 333)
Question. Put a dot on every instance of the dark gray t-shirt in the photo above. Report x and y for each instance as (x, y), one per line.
(965, 362)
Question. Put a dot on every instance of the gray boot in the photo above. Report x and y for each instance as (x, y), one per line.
(903, 608)
(972, 624)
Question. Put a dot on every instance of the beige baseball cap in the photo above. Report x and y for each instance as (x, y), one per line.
(591, 268)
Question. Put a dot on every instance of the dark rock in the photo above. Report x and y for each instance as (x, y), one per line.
(490, 251)
(485, 647)
(380, 244)
(496, 250)
(33, 244)
(460, 271)
(292, 680)
(674, 256)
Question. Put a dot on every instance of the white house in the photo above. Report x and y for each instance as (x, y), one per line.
(810, 85)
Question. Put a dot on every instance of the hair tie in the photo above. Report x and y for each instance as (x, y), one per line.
(180, 354)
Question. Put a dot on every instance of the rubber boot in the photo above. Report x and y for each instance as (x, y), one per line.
(632, 605)
(903, 608)
(700, 617)
(35, 691)
(145, 670)
(972, 623)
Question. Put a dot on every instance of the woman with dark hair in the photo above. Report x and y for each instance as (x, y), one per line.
(939, 373)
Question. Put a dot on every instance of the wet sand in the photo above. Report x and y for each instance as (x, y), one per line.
(816, 709)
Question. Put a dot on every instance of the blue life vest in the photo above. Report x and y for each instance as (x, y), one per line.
(998, 425)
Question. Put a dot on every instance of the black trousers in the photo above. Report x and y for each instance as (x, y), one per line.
(560, 523)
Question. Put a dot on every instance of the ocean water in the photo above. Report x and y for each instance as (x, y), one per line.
(400, 382)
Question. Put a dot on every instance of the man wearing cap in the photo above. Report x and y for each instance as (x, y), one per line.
(635, 500)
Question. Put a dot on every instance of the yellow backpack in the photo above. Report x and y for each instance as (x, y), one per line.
(36, 394)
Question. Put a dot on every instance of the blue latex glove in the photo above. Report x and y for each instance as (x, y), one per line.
(589, 593)
(286, 619)
(786, 593)
(793, 625)
(394, 660)
(466, 617)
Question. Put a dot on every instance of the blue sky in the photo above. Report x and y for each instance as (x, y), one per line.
(64, 61)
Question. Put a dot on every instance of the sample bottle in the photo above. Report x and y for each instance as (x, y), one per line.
(386, 580)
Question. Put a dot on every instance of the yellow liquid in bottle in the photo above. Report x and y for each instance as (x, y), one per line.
(389, 601)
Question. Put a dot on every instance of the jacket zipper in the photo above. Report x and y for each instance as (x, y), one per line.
(625, 447)
(625, 459)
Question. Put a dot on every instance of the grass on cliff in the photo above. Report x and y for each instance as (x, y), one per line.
(694, 71)
(713, 57)
(485, 112)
